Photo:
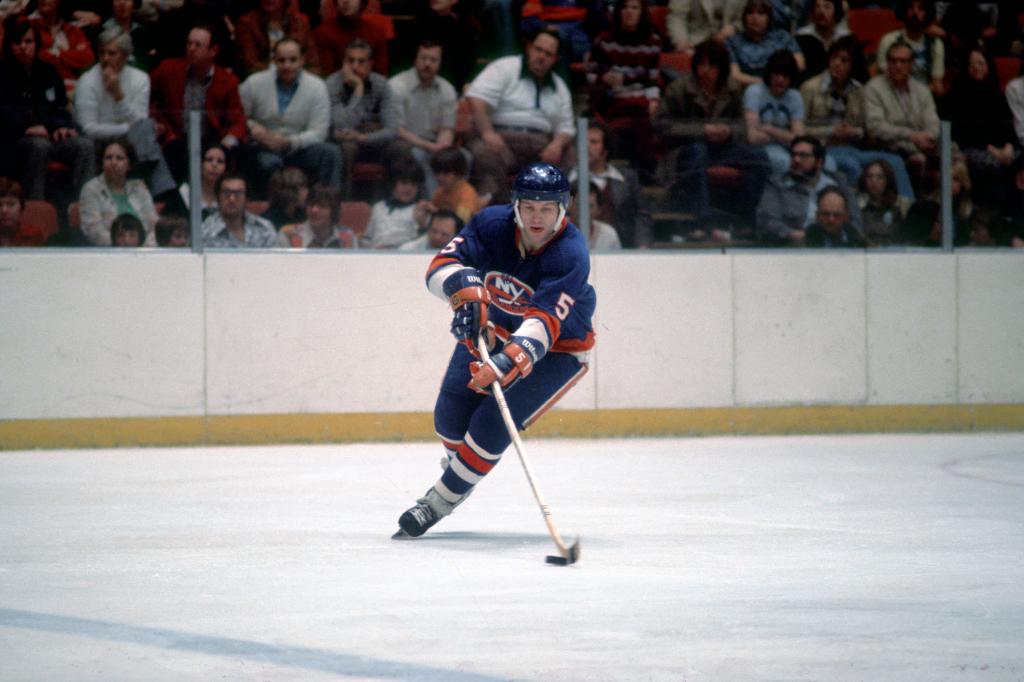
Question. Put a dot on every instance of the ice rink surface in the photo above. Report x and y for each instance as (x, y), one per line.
(734, 559)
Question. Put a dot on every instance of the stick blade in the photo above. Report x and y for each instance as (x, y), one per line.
(571, 556)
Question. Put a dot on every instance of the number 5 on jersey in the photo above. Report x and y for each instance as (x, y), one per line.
(565, 302)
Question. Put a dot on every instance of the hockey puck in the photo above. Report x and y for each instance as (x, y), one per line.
(557, 560)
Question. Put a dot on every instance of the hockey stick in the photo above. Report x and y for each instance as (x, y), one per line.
(569, 555)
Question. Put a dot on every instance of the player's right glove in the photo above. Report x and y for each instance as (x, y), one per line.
(469, 299)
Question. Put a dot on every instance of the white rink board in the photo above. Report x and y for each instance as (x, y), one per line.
(991, 343)
(799, 328)
(149, 333)
(911, 327)
(89, 334)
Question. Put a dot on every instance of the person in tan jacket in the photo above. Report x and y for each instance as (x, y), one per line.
(900, 112)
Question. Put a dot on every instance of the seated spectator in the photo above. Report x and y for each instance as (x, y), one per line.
(928, 52)
(574, 20)
(623, 70)
(212, 166)
(289, 191)
(127, 230)
(334, 35)
(691, 22)
(321, 229)
(195, 83)
(827, 25)
(289, 115)
(600, 236)
(882, 208)
(112, 193)
(774, 111)
(900, 114)
(231, 226)
(144, 42)
(702, 113)
(624, 204)
(442, 227)
(35, 125)
(454, 193)
(1015, 99)
(112, 100)
(364, 115)
(61, 43)
(173, 231)
(831, 228)
(177, 20)
(425, 105)
(259, 30)
(396, 220)
(454, 28)
(982, 127)
(751, 49)
(789, 202)
(834, 108)
(522, 112)
(13, 230)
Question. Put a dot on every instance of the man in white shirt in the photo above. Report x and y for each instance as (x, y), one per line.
(112, 99)
(426, 105)
(523, 113)
(289, 115)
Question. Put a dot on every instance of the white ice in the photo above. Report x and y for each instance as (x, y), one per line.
(785, 558)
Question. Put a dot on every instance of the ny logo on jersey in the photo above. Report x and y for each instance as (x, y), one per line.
(508, 293)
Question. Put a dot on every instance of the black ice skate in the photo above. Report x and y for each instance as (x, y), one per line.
(428, 510)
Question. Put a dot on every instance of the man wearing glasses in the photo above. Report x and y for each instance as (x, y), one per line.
(789, 203)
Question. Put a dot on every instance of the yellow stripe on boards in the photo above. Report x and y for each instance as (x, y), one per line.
(27, 434)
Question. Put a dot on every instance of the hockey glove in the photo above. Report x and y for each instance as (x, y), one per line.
(469, 299)
(507, 366)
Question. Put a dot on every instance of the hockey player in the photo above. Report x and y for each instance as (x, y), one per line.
(517, 274)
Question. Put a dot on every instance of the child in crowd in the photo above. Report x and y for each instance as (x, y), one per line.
(173, 231)
(321, 229)
(453, 189)
(13, 231)
(396, 220)
(127, 230)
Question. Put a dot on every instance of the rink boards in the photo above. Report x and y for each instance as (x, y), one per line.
(109, 348)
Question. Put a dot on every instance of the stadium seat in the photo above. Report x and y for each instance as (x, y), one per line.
(74, 220)
(1007, 68)
(355, 215)
(869, 24)
(41, 214)
(659, 17)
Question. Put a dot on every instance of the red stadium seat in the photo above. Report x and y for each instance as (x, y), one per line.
(1008, 68)
(659, 17)
(41, 214)
(870, 24)
(355, 215)
(257, 207)
(74, 220)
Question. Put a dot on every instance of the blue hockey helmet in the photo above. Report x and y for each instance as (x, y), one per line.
(542, 182)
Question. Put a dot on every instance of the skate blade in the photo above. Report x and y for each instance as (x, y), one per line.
(402, 535)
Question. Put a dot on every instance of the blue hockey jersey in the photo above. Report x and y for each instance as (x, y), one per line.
(544, 295)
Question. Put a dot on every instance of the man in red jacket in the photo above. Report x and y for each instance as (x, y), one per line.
(195, 82)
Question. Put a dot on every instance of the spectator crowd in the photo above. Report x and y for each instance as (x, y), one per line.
(712, 122)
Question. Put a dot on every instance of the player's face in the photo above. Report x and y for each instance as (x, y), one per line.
(428, 63)
(10, 213)
(539, 219)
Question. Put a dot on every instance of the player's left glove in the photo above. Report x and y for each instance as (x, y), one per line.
(511, 363)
